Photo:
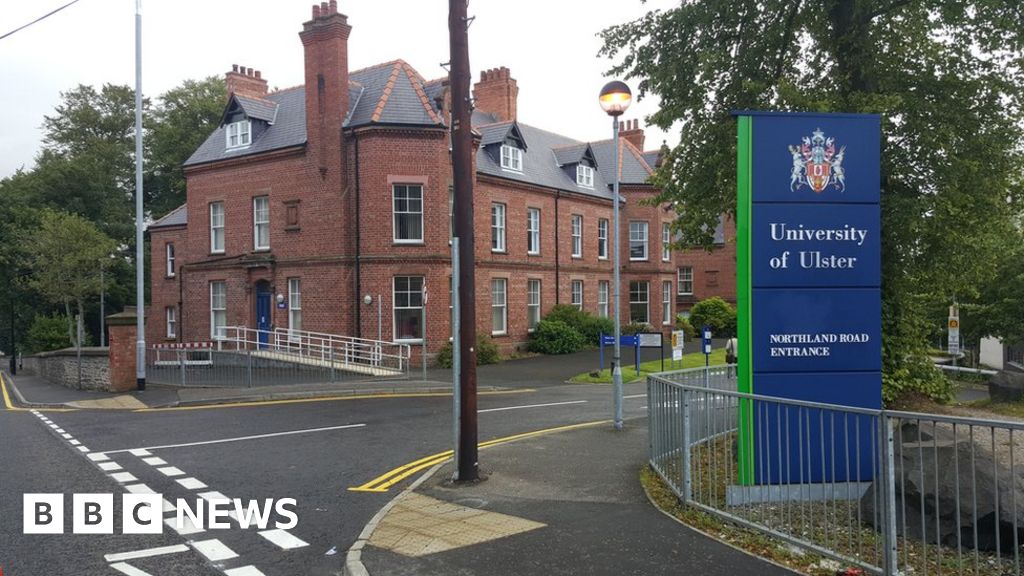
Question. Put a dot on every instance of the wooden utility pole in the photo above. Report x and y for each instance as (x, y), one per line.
(462, 176)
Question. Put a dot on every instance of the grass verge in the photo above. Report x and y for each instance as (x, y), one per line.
(629, 373)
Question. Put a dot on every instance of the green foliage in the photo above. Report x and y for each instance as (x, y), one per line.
(47, 333)
(947, 80)
(556, 337)
(683, 323)
(636, 328)
(185, 117)
(716, 313)
(67, 252)
(486, 352)
(588, 325)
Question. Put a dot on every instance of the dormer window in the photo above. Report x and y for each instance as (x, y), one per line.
(511, 158)
(584, 176)
(239, 133)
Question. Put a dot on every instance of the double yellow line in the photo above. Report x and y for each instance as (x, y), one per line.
(384, 482)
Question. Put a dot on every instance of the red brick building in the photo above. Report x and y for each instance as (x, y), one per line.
(306, 201)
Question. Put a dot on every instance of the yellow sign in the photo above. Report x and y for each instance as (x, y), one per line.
(954, 323)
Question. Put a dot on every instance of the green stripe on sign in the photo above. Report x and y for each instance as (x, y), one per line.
(744, 186)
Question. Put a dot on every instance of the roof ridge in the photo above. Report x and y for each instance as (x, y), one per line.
(386, 93)
(417, 82)
(638, 155)
(381, 65)
(288, 89)
(574, 140)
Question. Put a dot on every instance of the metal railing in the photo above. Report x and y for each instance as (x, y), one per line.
(889, 492)
(246, 357)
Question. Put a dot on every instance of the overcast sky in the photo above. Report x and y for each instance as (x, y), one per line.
(549, 45)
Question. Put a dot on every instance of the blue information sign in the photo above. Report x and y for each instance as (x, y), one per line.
(809, 275)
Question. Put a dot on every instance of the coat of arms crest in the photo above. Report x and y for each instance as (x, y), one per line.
(817, 164)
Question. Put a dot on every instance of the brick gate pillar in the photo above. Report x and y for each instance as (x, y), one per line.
(122, 350)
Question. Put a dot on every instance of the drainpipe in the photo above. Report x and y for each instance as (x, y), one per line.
(181, 304)
(558, 277)
(359, 286)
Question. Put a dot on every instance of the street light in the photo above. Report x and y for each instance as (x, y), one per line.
(615, 98)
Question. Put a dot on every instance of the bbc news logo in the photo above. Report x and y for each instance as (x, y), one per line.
(144, 513)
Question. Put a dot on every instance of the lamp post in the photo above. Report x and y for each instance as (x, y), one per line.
(140, 294)
(615, 98)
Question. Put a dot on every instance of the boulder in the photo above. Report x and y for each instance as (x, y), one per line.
(933, 468)
(1007, 386)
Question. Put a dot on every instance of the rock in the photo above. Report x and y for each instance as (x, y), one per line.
(1007, 386)
(932, 467)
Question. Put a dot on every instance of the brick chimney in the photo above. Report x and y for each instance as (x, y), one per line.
(631, 131)
(245, 82)
(496, 93)
(325, 44)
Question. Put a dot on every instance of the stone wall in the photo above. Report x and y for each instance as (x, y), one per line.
(61, 367)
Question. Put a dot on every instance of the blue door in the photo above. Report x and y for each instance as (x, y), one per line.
(263, 313)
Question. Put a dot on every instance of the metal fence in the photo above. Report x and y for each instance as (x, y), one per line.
(246, 357)
(889, 492)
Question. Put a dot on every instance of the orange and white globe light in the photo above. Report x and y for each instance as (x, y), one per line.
(615, 98)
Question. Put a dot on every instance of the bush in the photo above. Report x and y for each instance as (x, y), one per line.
(486, 352)
(716, 313)
(47, 333)
(636, 328)
(556, 337)
(683, 323)
(594, 326)
(588, 325)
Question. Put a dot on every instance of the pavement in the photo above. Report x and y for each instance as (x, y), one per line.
(34, 392)
(563, 503)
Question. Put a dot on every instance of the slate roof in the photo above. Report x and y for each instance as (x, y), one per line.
(176, 217)
(391, 93)
(394, 94)
(258, 108)
(634, 169)
(651, 157)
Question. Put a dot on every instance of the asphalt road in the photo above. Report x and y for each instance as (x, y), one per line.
(310, 451)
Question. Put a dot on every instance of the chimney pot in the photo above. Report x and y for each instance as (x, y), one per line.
(258, 75)
(333, 5)
(323, 9)
(234, 67)
(316, 11)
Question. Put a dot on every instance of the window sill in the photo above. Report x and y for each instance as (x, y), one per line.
(267, 249)
(493, 251)
(577, 256)
(292, 228)
(409, 341)
(638, 260)
(498, 334)
(533, 253)
(169, 276)
(408, 243)
(216, 252)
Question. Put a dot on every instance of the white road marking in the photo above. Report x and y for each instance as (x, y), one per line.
(191, 484)
(140, 452)
(187, 526)
(145, 553)
(283, 539)
(123, 477)
(171, 471)
(139, 489)
(74, 442)
(212, 496)
(244, 571)
(66, 436)
(129, 570)
(59, 430)
(168, 507)
(98, 457)
(109, 466)
(54, 426)
(154, 461)
(83, 449)
(635, 396)
(214, 550)
(531, 406)
(239, 439)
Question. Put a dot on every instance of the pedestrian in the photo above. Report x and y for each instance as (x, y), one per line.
(730, 355)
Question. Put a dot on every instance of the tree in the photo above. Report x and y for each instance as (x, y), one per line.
(66, 252)
(947, 78)
(185, 117)
(715, 313)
